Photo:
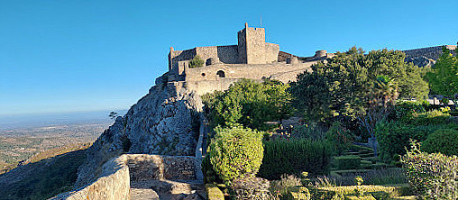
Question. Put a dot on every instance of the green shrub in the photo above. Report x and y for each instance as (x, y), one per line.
(434, 117)
(236, 152)
(251, 188)
(442, 141)
(196, 62)
(348, 162)
(404, 110)
(345, 192)
(213, 192)
(393, 137)
(307, 131)
(339, 137)
(432, 176)
(283, 156)
(281, 188)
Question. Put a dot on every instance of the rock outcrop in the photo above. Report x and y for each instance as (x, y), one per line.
(164, 122)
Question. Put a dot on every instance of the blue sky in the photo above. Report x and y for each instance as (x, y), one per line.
(64, 56)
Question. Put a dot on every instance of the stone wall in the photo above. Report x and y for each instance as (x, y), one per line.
(207, 79)
(176, 56)
(255, 45)
(426, 56)
(272, 52)
(114, 182)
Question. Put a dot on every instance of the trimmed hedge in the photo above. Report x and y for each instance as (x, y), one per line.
(283, 156)
(443, 140)
(235, 152)
(393, 137)
(348, 162)
(390, 191)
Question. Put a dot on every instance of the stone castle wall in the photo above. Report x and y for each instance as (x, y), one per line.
(219, 77)
(426, 56)
(117, 173)
(255, 45)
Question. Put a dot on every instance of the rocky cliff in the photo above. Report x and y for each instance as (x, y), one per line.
(165, 122)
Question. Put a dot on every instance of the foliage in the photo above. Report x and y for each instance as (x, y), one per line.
(196, 62)
(346, 85)
(339, 138)
(210, 176)
(236, 152)
(283, 156)
(213, 192)
(348, 162)
(432, 176)
(404, 110)
(249, 103)
(348, 192)
(309, 131)
(373, 177)
(433, 117)
(443, 79)
(393, 137)
(251, 188)
(444, 141)
(281, 188)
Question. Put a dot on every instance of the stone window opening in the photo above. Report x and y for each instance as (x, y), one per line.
(203, 74)
(221, 74)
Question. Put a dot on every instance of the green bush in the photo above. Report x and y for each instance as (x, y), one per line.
(249, 103)
(404, 110)
(281, 188)
(393, 137)
(213, 192)
(283, 156)
(251, 188)
(196, 62)
(432, 176)
(339, 137)
(348, 162)
(442, 141)
(433, 117)
(236, 152)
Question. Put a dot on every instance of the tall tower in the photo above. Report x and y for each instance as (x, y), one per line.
(252, 45)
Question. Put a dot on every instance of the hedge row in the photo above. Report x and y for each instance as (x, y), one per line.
(284, 156)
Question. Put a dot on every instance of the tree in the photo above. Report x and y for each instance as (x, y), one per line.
(196, 62)
(113, 115)
(344, 85)
(443, 78)
(250, 104)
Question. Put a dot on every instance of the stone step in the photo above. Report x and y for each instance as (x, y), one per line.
(143, 194)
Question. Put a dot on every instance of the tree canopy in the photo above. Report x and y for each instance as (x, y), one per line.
(443, 78)
(349, 83)
(250, 104)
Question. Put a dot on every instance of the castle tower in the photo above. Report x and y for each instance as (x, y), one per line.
(252, 45)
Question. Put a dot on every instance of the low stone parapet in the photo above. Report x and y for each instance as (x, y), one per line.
(117, 173)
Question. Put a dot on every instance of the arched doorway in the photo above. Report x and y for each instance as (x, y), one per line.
(221, 74)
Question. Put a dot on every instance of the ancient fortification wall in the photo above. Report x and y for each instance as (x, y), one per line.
(114, 183)
(219, 77)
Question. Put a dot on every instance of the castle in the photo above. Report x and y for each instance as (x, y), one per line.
(252, 58)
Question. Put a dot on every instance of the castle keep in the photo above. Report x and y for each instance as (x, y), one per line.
(251, 58)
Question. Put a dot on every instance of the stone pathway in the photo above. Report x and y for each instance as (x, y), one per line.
(167, 190)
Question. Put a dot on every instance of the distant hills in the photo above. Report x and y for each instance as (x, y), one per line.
(55, 119)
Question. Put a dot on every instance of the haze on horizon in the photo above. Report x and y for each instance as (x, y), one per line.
(74, 56)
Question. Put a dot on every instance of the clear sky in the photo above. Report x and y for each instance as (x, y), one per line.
(63, 56)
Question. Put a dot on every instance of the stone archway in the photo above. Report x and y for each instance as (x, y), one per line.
(221, 74)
